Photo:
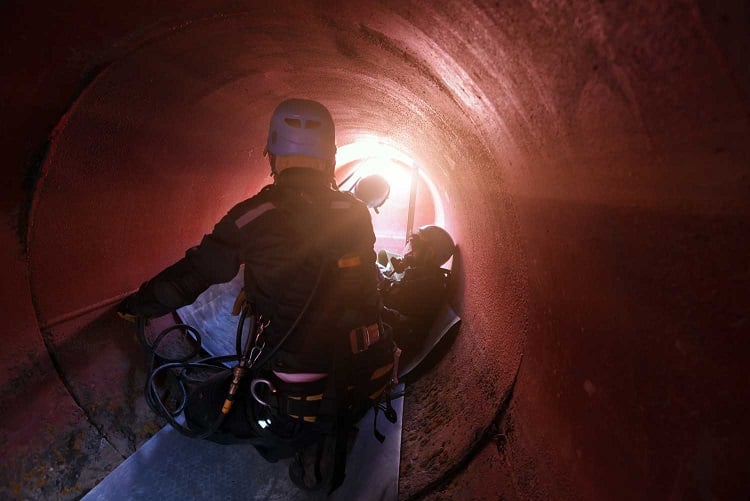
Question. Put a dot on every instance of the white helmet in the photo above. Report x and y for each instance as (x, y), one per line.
(373, 190)
(436, 244)
(301, 134)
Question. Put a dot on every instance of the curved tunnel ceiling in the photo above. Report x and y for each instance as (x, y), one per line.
(592, 158)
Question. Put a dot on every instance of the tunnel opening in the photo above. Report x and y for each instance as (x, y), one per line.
(400, 215)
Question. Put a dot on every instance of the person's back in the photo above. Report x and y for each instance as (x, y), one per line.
(311, 288)
(300, 230)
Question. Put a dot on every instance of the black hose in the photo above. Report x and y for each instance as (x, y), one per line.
(159, 363)
(238, 337)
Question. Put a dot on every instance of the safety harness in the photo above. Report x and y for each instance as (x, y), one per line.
(317, 356)
(350, 370)
(334, 400)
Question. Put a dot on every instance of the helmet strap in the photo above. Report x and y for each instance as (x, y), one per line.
(272, 161)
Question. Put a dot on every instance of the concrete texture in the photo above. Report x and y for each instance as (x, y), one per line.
(592, 158)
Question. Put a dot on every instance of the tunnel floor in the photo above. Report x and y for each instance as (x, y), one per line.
(172, 466)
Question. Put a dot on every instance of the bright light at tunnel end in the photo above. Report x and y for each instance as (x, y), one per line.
(379, 156)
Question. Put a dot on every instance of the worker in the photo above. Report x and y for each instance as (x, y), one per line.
(310, 279)
(414, 287)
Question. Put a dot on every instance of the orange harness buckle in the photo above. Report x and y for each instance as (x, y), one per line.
(361, 338)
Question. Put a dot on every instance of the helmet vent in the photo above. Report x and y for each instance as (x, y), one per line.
(300, 127)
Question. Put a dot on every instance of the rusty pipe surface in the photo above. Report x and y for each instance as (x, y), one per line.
(592, 158)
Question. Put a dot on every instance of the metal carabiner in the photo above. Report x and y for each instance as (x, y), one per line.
(255, 353)
(260, 326)
(256, 382)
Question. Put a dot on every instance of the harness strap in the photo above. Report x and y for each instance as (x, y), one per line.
(361, 338)
(305, 407)
(344, 423)
(309, 404)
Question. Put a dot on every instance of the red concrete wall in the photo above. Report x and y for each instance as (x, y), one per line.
(593, 162)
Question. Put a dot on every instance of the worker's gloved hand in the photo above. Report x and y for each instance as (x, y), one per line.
(128, 308)
(393, 317)
(141, 304)
(399, 265)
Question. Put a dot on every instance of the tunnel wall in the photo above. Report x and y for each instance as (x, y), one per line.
(594, 157)
(633, 203)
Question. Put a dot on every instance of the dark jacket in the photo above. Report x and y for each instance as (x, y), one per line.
(289, 237)
(411, 304)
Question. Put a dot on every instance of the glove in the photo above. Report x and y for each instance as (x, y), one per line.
(400, 265)
(393, 317)
(141, 304)
(128, 308)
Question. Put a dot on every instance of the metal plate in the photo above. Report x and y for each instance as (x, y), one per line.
(444, 322)
(172, 466)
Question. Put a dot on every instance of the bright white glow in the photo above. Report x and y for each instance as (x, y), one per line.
(373, 155)
(371, 147)
(439, 211)
(374, 151)
(397, 175)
